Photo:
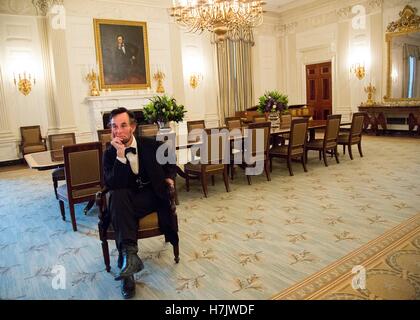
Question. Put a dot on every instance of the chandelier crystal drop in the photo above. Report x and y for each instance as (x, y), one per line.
(218, 16)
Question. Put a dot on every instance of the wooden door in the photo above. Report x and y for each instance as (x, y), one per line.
(319, 90)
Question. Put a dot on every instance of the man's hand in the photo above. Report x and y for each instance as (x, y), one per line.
(119, 146)
(170, 182)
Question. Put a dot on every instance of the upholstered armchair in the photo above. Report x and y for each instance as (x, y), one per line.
(147, 227)
(32, 141)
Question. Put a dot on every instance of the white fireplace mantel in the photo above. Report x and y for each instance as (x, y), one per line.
(102, 104)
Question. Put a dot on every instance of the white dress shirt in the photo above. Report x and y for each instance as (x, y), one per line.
(133, 159)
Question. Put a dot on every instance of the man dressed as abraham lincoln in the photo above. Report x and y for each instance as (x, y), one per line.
(138, 186)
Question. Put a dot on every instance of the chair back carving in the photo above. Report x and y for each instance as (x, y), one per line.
(298, 134)
(332, 130)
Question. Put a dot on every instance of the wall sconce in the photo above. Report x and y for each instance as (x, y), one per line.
(159, 76)
(92, 77)
(359, 70)
(24, 84)
(195, 79)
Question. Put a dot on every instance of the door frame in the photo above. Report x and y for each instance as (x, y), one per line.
(304, 61)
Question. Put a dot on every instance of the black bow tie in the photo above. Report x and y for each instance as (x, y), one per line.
(130, 149)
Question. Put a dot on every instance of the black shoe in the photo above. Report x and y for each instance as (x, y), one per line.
(131, 263)
(120, 260)
(128, 287)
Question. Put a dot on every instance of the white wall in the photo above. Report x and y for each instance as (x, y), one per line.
(60, 59)
(323, 31)
(316, 32)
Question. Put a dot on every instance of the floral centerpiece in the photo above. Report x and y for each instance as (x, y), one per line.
(162, 110)
(273, 101)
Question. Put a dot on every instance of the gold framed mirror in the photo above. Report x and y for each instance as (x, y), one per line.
(403, 54)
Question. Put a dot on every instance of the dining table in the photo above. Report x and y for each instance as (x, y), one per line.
(47, 160)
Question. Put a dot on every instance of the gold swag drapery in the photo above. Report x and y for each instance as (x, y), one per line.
(234, 62)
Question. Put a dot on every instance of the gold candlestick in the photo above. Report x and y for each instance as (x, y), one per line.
(159, 76)
(370, 90)
(92, 77)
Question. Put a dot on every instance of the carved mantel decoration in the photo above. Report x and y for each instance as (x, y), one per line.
(409, 21)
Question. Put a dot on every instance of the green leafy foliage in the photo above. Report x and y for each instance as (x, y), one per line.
(163, 109)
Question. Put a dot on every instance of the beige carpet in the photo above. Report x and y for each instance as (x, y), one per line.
(251, 243)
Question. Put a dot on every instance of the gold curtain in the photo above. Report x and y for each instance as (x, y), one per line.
(234, 62)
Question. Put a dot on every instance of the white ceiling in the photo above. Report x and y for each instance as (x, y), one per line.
(276, 6)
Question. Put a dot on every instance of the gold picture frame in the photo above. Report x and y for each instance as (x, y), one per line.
(409, 23)
(122, 54)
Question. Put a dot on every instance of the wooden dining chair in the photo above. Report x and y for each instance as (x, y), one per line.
(233, 122)
(259, 118)
(57, 142)
(196, 124)
(255, 150)
(104, 137)
(32, 141)
(211, 163)
(296, 147)
(354, 136)
(329, 142)
(147, 130)
(148, 226)
(83, 170)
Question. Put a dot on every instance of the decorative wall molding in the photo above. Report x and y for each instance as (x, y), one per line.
(286, 29)
(18, 7)
(333, 13)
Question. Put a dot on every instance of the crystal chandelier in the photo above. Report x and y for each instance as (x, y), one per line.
(221, 17)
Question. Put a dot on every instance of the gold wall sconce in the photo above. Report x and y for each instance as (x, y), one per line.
(25, 82)
(195, 79)
(159, 76)
(359, 70)
(92, 76)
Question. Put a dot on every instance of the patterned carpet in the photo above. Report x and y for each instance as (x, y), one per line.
(389, 270)
(251, 243)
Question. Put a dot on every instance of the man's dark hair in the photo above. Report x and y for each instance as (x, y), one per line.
(120, 110)
(120, 35)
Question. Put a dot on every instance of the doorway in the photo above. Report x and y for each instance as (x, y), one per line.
(319, 90)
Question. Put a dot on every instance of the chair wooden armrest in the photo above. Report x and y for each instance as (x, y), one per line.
(105, 219)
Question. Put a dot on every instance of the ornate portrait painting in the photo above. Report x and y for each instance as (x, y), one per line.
(122, 54)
